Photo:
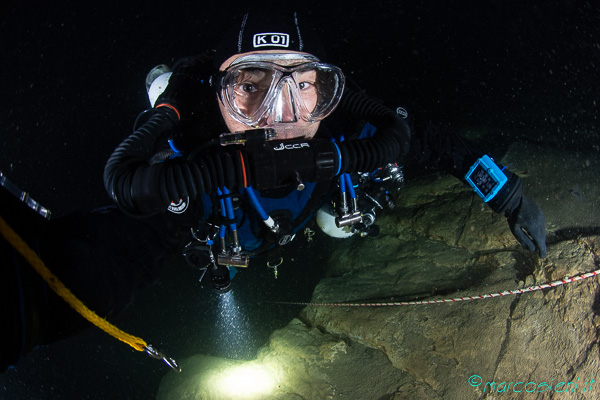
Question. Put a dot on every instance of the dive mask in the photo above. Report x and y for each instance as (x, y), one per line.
(266, 89)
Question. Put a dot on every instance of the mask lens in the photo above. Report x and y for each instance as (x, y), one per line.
(321, 88)
(248, 88)
(306, 81)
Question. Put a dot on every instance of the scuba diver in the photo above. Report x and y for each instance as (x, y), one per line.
(242, 147)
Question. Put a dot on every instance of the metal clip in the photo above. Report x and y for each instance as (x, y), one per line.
(309, 233)
(274, 267)
(152, 352)
(299, 184)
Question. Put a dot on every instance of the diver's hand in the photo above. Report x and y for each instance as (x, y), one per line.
(189, 85)
(525, 218)
(528, 225)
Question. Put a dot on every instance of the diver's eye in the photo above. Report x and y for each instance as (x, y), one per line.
(248, 88)
(306, 85)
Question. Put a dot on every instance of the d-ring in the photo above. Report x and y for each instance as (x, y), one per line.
(275, 266)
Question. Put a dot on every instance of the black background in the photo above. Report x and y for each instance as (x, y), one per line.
(73, 73)
(72, 84)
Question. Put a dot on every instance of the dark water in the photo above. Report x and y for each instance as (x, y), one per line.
(179, 316)
(73, 82)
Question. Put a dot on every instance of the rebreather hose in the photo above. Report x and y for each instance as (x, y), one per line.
(60, 289)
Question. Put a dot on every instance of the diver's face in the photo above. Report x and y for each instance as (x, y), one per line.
(250, 92)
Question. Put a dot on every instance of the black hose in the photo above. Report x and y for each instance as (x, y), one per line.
(141, 188)
(390, 144)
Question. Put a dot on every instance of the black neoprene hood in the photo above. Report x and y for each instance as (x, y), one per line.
(259, 31)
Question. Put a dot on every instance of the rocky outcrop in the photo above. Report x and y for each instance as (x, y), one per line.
(442, 242)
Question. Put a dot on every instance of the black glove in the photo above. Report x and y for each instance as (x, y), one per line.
(189, 85)
(528, 224)
(525, 218)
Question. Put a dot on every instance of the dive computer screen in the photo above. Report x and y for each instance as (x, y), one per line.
(483, 180)
(486, 178)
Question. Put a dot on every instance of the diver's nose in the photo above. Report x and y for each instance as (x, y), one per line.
(285, 107)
